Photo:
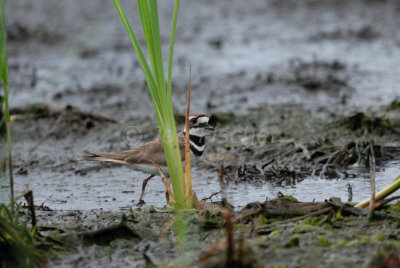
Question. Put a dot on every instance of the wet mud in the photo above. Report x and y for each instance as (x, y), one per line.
(299, 91)
(280, 232)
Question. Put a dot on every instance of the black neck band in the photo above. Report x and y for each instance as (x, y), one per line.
(199, 141)
(195, 151)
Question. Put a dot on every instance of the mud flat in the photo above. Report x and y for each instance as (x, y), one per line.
(87, 213)
(279, 233)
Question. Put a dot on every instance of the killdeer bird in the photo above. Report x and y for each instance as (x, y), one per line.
(143, 157)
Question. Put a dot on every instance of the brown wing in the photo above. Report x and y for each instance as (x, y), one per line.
(153, 151)
(181, 140)
(149, 151)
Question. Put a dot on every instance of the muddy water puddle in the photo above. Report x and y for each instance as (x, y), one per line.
(117, 188)
(313, 188)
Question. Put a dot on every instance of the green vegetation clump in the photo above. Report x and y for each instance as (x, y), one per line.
(362, 123)
(16, 241)
(394, 105)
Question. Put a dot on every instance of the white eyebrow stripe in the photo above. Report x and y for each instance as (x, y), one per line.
(198, 148)
(203, 120)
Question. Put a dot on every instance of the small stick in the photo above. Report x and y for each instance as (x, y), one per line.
(3, 162)
(385, 201)
(164, 180)
(372, 180)
(10, 166)
(188, 173)
(350, 192)
(29, 199)
(229, 233)
(28, 194)
(222, 183)
(143, 188)
(22, 194)
(197, 204)
(210, 197)
(42, 205)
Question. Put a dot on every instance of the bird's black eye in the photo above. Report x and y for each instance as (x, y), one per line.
(193, 120)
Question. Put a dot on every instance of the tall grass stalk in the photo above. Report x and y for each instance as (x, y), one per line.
(161, 93)
(4, 78)
(188, 172)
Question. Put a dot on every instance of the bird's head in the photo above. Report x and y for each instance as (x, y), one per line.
(199, 126)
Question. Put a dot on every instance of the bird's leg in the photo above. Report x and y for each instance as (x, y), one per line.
(165, 181)
(169, 191)
(141, 202)
(167, 197)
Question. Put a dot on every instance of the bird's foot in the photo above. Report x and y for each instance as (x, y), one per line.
(140, 203)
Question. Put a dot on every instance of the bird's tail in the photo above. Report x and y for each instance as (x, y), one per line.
(109, 157)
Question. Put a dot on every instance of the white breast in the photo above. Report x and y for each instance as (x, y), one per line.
(149, 169)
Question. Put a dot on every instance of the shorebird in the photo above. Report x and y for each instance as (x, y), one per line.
(143, 157)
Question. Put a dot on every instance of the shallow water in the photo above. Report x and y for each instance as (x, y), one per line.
(314, 189)
(115, 188)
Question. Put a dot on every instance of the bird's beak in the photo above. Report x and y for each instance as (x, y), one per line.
(209, 127)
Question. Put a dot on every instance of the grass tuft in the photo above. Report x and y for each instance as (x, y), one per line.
(4, 79)
(16, 241)
(160, 92)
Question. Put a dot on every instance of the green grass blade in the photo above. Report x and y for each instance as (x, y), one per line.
(157, 45)
(4, 77)
(144, 12)
(157, 57)
(3, 49)
(171, 49)
(145, 16)
(142, 60)
(135, 44)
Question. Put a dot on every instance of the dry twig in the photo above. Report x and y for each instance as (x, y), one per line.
(188, 173)
(28, 194)
(230, 250)
(372, 180)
